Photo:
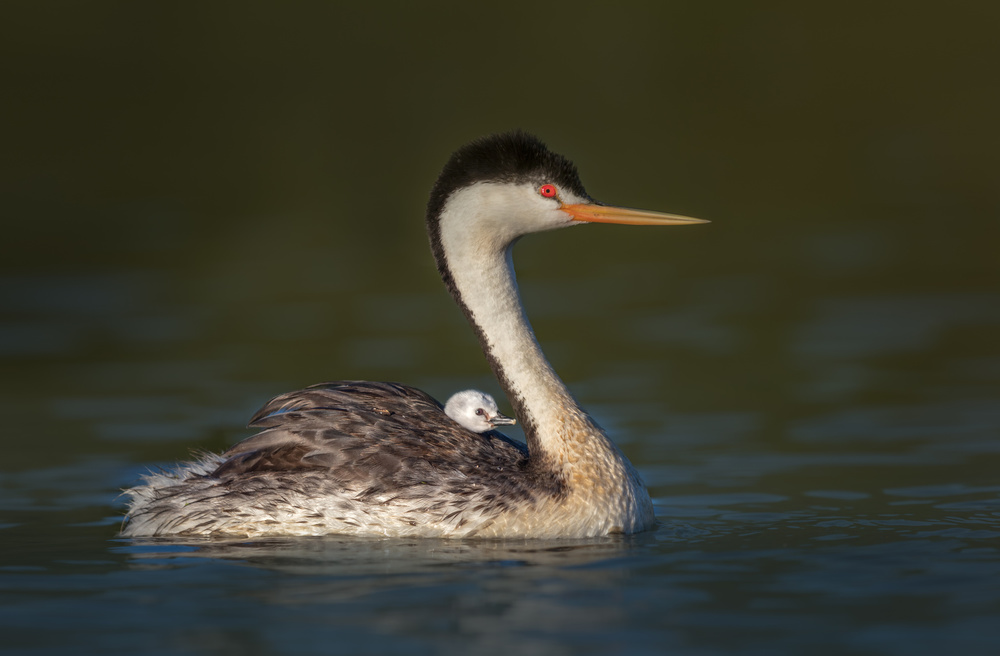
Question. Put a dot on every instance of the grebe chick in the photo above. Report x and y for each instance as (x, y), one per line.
(383, 459)
(476, 411)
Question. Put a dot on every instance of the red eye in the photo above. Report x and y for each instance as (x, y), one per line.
(549, 191)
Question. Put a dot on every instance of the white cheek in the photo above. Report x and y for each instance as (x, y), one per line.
(493, 215)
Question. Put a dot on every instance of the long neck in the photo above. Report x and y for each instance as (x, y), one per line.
(479, 274)
(488, 294)
(598, 488)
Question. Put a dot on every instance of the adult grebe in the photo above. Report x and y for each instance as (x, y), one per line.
(476, 411)
(382, 459)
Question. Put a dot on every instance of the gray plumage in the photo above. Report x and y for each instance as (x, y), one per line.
(357, 442)
(384, 459)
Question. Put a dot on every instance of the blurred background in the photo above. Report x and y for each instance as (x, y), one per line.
(207, 204)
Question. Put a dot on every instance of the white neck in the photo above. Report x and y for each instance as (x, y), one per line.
(472, 241)
(477, 249)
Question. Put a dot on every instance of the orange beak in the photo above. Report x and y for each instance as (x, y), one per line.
(611, 214)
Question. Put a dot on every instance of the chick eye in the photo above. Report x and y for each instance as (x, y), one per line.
(547, 190)
(480, 412)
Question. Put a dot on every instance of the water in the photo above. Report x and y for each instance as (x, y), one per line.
(808, 385)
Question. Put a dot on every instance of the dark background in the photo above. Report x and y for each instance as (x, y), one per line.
(206, 204)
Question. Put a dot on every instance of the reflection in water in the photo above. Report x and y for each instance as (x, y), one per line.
(725, 576)
(360, 557)
(457, 592)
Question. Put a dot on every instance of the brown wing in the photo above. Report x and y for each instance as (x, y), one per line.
(370, 437)
(383, 398)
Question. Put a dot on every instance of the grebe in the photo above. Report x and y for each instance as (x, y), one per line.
(383, 459)
(476, 411)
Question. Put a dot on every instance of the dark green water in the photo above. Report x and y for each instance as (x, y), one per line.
(203, 208)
